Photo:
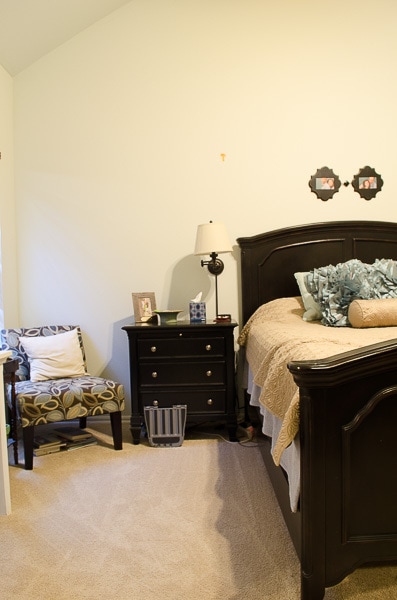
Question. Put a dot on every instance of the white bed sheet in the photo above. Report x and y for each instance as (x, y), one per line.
(290, 459)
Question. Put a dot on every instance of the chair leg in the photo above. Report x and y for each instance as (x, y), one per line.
(115, 420)
(14, 418)
(28, 438)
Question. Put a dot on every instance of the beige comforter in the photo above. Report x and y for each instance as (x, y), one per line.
(275, 335)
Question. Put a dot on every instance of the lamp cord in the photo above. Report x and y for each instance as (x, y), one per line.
(216, 296)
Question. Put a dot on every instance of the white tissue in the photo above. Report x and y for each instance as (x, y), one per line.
(197, 298)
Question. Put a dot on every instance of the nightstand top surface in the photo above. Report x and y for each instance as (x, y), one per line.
(179, 325)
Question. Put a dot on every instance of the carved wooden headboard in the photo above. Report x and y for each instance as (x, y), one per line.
(269, 260)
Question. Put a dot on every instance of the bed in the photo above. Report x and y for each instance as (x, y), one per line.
(346, 512)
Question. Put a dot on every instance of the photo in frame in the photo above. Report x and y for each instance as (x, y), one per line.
(144, 305)
(324, 183)
(367, 183)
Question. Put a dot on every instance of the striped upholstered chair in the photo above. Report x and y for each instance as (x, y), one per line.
(52, 383)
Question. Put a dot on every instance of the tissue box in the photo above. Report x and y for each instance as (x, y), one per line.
(197, 312)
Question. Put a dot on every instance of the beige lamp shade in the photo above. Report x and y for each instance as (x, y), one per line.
(212, 237)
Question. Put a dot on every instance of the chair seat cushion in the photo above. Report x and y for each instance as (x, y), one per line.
(67, 398)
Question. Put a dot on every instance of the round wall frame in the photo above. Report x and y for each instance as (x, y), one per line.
(367, 183)
(324, 183)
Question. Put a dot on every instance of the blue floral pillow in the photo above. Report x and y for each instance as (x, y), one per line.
(334, 287)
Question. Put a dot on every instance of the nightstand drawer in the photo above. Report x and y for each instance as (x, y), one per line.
(182, 373)
(198, 402)
(184, 346)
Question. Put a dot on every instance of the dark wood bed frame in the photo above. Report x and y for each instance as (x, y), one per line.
(348, 411)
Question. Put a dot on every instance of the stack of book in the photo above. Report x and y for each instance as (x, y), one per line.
(48, 444)
(63, 438)
(74, 437)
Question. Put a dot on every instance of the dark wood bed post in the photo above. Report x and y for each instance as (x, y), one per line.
(312, 497)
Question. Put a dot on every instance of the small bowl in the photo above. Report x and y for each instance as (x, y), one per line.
(167, 317)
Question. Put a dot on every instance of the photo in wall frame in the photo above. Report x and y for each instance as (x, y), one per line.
(324, 183)
(144, 304)
(367, 183)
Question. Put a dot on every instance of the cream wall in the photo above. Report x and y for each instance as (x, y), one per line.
(8, 268)
(119, 132)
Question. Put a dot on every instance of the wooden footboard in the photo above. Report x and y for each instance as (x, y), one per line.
(348, 417)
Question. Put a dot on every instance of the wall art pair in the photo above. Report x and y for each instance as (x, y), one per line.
(367, 183)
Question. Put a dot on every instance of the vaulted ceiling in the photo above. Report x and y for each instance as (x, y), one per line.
(29, 29)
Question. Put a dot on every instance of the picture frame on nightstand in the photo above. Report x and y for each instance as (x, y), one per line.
(144, 304)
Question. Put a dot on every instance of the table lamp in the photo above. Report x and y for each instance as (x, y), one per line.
(212, 238)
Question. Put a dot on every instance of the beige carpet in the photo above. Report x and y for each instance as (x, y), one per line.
(198, 522)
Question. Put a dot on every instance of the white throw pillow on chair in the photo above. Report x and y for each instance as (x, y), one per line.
(54, 356)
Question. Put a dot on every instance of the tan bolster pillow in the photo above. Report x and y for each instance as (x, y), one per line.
(373, 313)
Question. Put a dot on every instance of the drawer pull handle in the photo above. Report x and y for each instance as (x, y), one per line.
(208, 347)
(154, 374)
(209, 373)
(153, 349)
(210, 401)
(155, 402)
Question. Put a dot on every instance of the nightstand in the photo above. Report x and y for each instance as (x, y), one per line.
(186, 363)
